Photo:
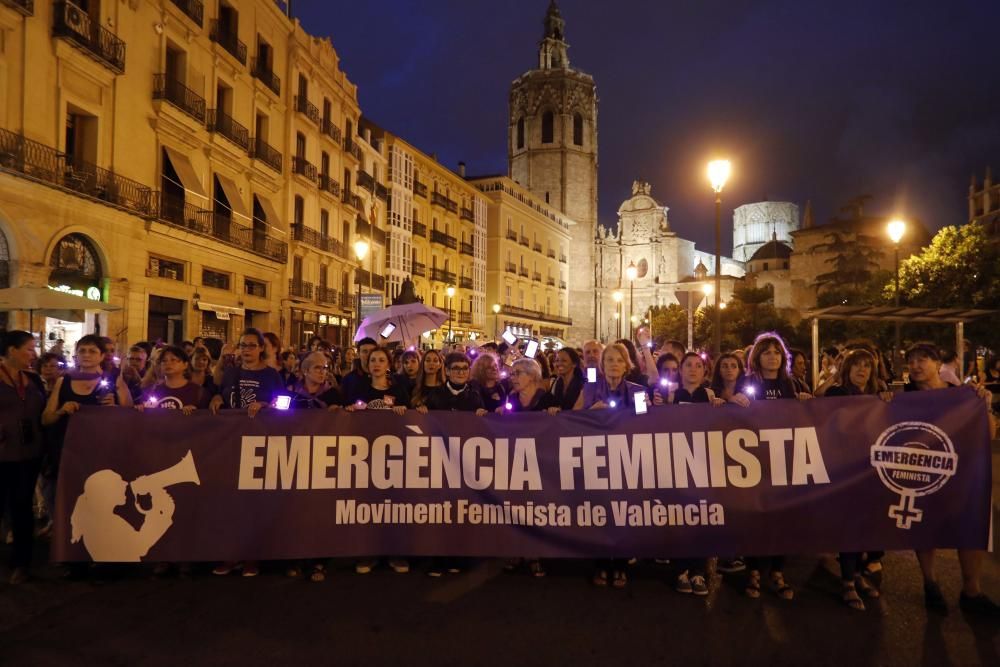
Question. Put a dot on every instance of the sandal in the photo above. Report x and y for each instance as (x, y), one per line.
(849, 594)
(866, 587)
(600, 578)
(536, 569)
(752, 588)
(780, 588)
(619, 579)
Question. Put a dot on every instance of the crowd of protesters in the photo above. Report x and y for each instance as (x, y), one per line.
(39, 395)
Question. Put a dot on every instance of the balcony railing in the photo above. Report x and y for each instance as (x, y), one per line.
(25, 7)
(351, 199)
(179, 95)
(180, 214)
(318, 240)
(419, 229)
(466, 248)
(381, 192)
(361, 276)
(523, 272)
(327, 184)
(346, 301)
(378, 282)
(537, 247)
(219, 122)
(303, 167)
(307, 108)
(300, 289)
(331, 130)
(352, 148)
(362, 227)
(365, 180)
(193, 8)
(525, 241)
(536, 276)
(223, 35)
(442, 276)
(511, 236)
(562, 258)
(510, 267)
(465, 317)
(551, 254)
(467, 214)
(551, 282)
(514, 311)
(74, 24)
(444, 239)
(46, 164)
(261, 150)
(419, 269)
(439, 199)
(562, 284)
(419, 188)
(263, 73)
(465, 282)
(327, 295)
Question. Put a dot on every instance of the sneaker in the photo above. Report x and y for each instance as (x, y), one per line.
(978, 604)
(399, 565)
(730, 565)
(933, 599)
(698, 585)
(683, 584)
(364, 566)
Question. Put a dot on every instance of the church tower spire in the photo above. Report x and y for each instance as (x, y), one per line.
(553, 47)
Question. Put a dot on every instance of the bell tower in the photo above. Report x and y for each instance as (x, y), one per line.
(552, 151)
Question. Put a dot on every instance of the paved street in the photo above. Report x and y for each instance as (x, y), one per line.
(486, 617)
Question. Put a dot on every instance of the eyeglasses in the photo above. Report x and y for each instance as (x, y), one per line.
(459, 369)
(249, 346)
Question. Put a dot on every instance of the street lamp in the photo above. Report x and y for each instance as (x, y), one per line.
(360, 251)
(496, 318)
(630, 273)
(451, 293)
(618, 296)
(896, 229)
(718, 174)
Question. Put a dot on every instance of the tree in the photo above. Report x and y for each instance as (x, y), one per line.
(854, 261)
(668, 323)
(959, 269)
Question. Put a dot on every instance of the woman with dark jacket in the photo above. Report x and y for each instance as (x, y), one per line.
(486, 376)
(568, 378)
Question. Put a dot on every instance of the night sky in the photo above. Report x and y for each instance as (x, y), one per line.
(810, 99)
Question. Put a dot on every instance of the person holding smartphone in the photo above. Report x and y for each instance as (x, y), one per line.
(253, 384)
(176, 391)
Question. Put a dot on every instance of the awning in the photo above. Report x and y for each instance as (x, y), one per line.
(222, 312)
(186, 172)
(271, 214)
(233, 195)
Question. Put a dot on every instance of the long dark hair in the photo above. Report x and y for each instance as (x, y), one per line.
(760, 345)
(718, 384)
(14, 338)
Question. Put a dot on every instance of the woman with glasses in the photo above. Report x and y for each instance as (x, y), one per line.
(486, 376)
(176, 391)
(252, 384)
(314, 390)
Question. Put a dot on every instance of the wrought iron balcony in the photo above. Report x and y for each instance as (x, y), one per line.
(300, 289)
(444, 239)
(224, 124)
(307, 108)
(52, 167)
(206, 223)
(537, 247)
(525, 241)
(261, 150)
(362, 227)
(419, 229)
(536, 276)
(331, 130)
(465, 317)
(263, 73)
(511, 236)
(224, 36)
(303, 167)
(551, 282)
(523, 272)
(551, 254)
(419, 189)
(562, 284)
(351, 199)
(514, 311)
(361, 276)
(25, 7)
(346, 301)
(74, 24)
(381, 192)
(352, 148)
(466, 248)
(467, 214)
(327, 184)
(318, 240)
(179, 95)
(193, 8)
(419, 269)
(465, 282)
(378, 282)
(327, 295)
(365, 180)
(439, 199)
(442, 276)
(510, 267)
(562, 258)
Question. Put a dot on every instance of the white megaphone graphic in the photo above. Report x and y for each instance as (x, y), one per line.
(110, 538)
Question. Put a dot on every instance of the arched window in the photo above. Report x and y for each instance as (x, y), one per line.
(548, 121)
(74, 260)
(520, 132)
(4, 273)
(577, 129)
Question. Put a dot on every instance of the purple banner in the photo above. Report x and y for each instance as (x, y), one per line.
(833, 474)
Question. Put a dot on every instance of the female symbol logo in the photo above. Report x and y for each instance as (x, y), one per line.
(913, 459)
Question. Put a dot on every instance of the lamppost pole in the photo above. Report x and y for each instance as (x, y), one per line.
(718, 173)
(451, 293)
(496, 318)
(896, 229)
(631, 272)
(618, 297)
(360, 250)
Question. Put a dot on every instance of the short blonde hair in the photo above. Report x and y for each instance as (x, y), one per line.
(530, 367)
(622, 351)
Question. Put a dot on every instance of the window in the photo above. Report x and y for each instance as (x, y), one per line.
(303, 87)
(300, 210)
(324, 222)
(324, 164)
(264, 55)
(216, 279)
(300, 145)
(347, 233)
(577, 129)
(81, 137)
(548, 122)
(520, 132)
(254, 287)
(165, 268)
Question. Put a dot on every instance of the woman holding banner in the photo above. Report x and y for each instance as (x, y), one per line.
(769, 378)
(569, 378)
(431, 375)
(857, 377)
(314, 389)
(486, 376)
(728, 379)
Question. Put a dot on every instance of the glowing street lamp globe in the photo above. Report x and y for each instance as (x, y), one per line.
(718, 173)
(361, 249)
(896, 230)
